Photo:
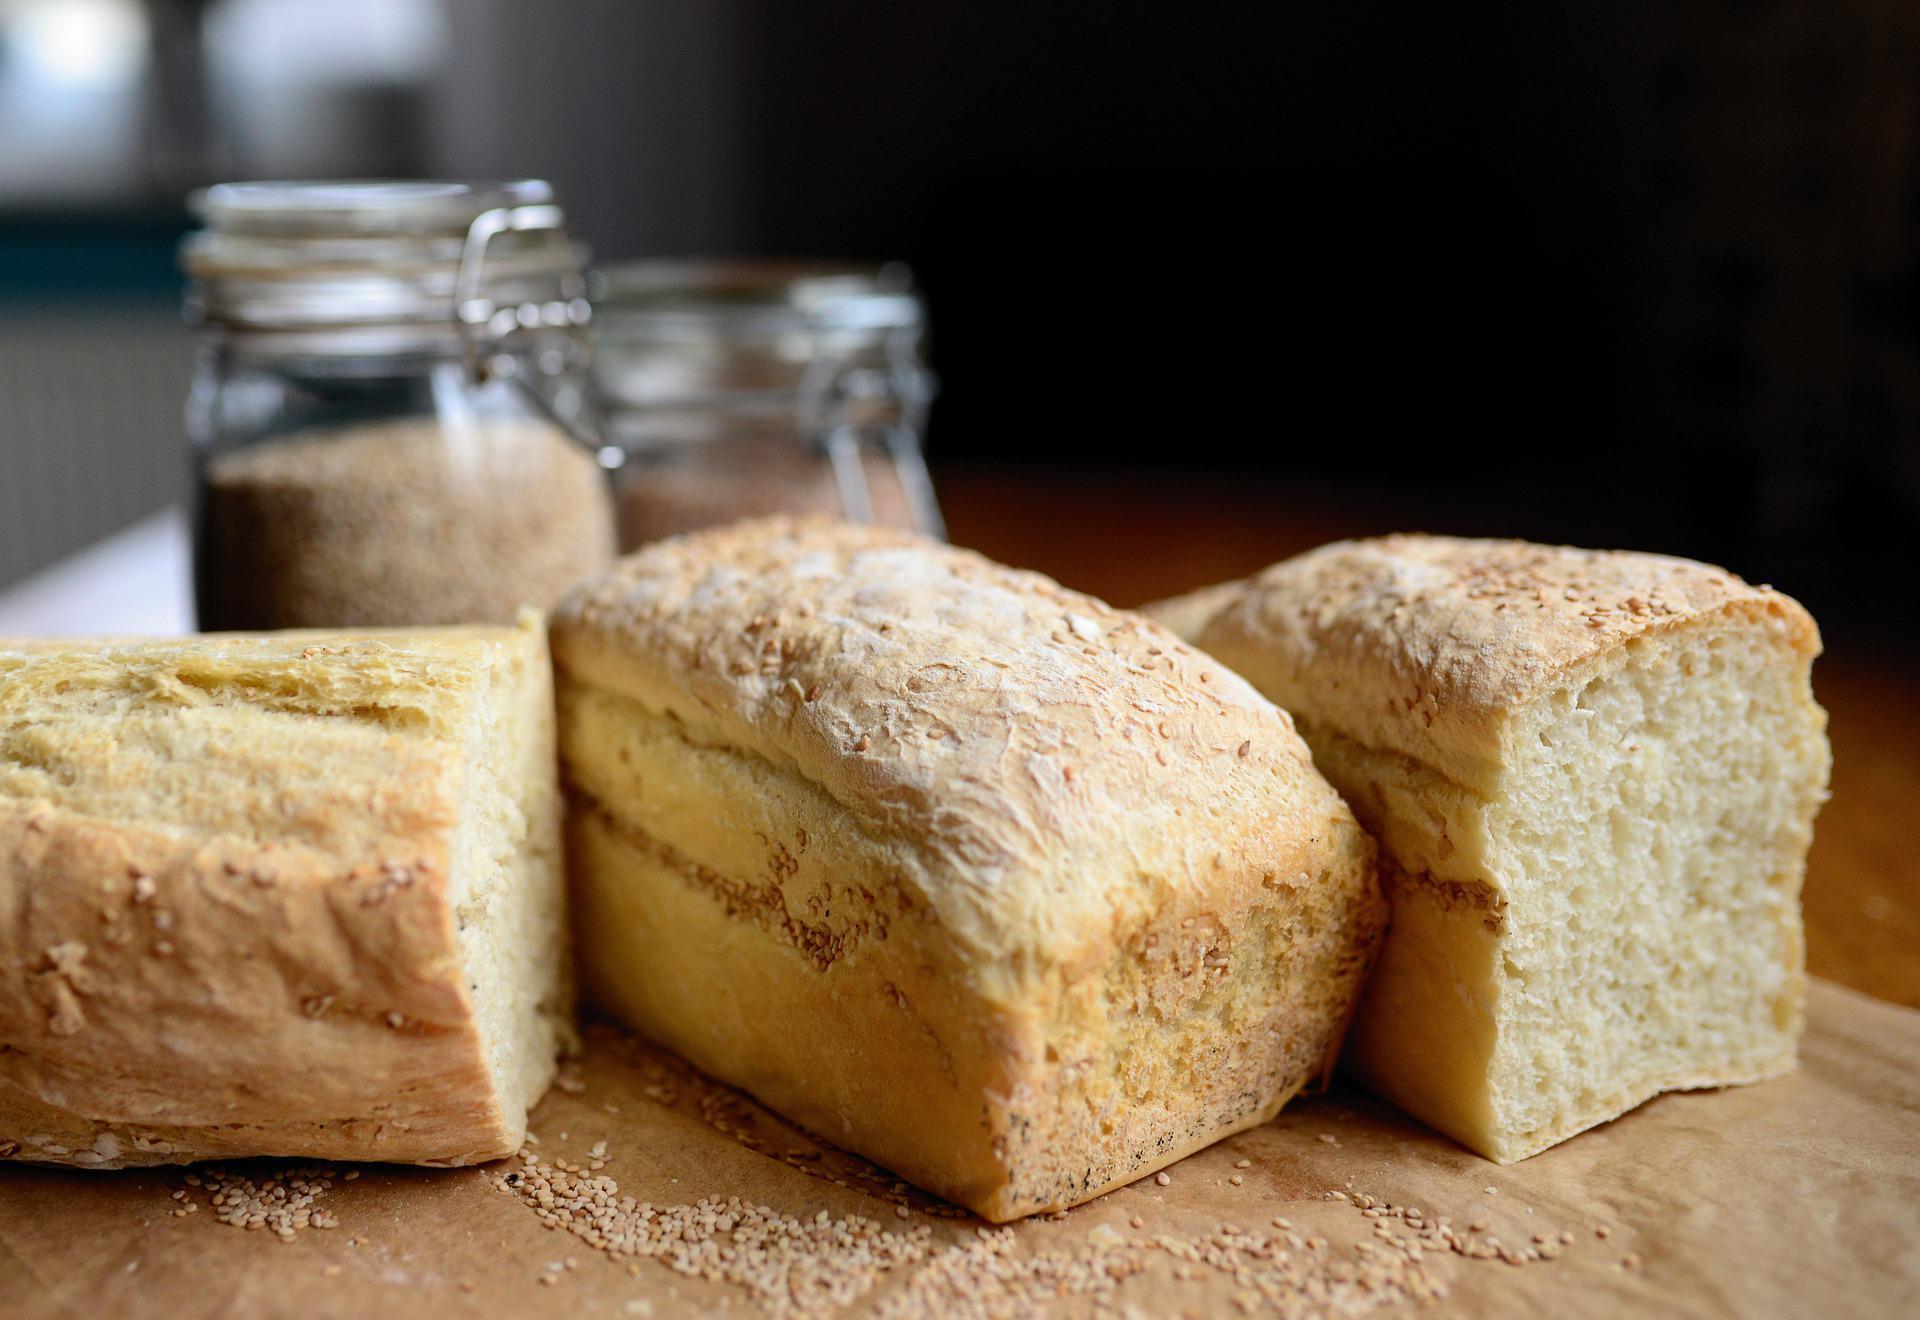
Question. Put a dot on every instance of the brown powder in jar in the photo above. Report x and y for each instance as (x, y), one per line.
(670, 495)
(414, 521)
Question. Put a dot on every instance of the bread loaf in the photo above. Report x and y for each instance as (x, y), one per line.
(1593, 777)
(1002, 888)
(286, 895)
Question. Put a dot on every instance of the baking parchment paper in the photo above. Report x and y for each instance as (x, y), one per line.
(1795, 1197)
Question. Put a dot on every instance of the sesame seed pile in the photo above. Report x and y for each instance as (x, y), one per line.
(1351, 1254)
(282, 1203)
(986, 1277)
(790, 1265)
(816, 1265)
(1285, 1272)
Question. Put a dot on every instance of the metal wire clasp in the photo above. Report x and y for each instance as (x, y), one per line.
(482, 322)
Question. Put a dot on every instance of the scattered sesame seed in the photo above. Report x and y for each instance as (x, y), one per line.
(817, 1264)
(283, 1204)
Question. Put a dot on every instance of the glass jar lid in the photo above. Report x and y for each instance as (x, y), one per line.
(380, 254)
(686, 331)
(378, 207)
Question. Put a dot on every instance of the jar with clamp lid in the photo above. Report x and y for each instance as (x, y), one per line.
(739, 388)
(388, 413)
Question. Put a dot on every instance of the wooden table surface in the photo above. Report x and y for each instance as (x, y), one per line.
(1133, 538)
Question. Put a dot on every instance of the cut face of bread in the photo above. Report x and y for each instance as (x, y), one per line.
(1004, 889)
(1593, 778)
(287, 895)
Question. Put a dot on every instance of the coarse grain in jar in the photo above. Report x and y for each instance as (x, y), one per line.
(387, 416)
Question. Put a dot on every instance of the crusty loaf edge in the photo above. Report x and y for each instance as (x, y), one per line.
(1456, 633)
(166, 998)
(1403, 629)
(762, 680)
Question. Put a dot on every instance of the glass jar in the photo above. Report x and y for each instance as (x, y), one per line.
(737, 388)
(386, 417)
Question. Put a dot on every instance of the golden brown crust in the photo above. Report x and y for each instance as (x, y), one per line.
(1427, 673)
(1009, 890)
(227, 924)
(1423, 644)
(978, 714)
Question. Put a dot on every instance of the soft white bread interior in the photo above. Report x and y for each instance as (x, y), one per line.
(1593, 777)
(1009, 891)
(297, 894)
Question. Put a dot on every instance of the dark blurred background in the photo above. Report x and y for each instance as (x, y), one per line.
(1625, 274)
